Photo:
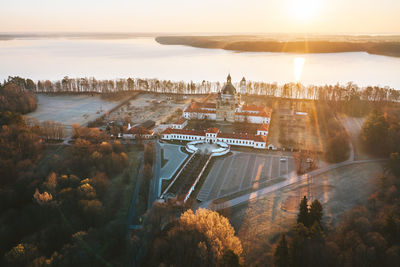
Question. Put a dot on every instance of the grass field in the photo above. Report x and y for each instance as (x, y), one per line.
(70, 109)
(259, 223)
(241, 171)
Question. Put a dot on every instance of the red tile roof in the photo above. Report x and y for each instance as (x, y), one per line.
(139, 130)
(212, 130)
(207, 105)
(201, 107)
(180, 121)
(259, 114)
(236, 136)
(263, 127)
(190, 109)
(239, 136)
(260, 138)
(183, 131)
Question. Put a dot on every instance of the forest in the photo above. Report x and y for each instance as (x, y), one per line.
(59, 205)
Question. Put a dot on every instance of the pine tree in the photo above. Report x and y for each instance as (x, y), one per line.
(303, 216)
(298, 245)
(315, 213)
(281, 256)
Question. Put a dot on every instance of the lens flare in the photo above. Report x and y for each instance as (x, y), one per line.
(298, 64)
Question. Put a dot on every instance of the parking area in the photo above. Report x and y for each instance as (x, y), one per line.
(241, 171)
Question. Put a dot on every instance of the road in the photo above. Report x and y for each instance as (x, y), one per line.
(291, 180)
(154, 185)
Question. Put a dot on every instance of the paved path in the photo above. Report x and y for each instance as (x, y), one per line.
(135, 196)
(153, 193)
(291, 180)
(175, 158)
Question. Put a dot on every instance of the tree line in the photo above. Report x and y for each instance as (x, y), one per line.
(335, 93)
(15, 97)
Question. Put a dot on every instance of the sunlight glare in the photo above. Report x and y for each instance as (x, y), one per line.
(298, 64)
(303, 9)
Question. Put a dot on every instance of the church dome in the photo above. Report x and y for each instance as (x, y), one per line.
(228, 88)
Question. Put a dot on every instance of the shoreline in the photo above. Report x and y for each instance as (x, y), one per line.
(374, 46)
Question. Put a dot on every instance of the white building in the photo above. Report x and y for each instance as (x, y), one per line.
(136, 133)
(179, 124)
(213, 135)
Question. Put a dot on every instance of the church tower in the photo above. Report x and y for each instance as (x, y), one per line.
(226, 102)
(243, 86)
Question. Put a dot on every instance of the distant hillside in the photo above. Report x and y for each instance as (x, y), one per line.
(388, 46)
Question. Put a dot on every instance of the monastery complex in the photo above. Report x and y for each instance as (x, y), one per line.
(227, 108)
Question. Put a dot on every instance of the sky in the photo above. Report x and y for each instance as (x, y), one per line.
(201, 16)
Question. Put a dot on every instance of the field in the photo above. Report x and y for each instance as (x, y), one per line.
(289, 130)
(155, 107)
(242, 171)
(70, 109)
(259, 223)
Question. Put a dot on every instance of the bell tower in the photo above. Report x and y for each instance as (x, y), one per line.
(243, 86)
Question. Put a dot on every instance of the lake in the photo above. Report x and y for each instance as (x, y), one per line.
(54, 58)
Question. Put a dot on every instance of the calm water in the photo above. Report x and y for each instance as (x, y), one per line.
(143, 57)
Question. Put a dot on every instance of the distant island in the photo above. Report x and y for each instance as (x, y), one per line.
(378, 45)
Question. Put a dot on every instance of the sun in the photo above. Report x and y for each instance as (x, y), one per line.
(304, 9)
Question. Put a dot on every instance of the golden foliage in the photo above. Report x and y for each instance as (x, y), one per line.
(51, 182)
(217, 228)
(42, 198)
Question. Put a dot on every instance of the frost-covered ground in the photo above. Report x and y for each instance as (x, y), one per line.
(70, 109)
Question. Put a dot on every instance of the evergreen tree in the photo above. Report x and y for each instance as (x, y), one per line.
(315, 213)
(393, 165)
(375, 132)
(281, 256)
(298, 246)
(230, 259)
(303, 216)
(390, 228)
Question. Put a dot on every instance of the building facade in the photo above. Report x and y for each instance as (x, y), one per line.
(213, 135)
(228, 107)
